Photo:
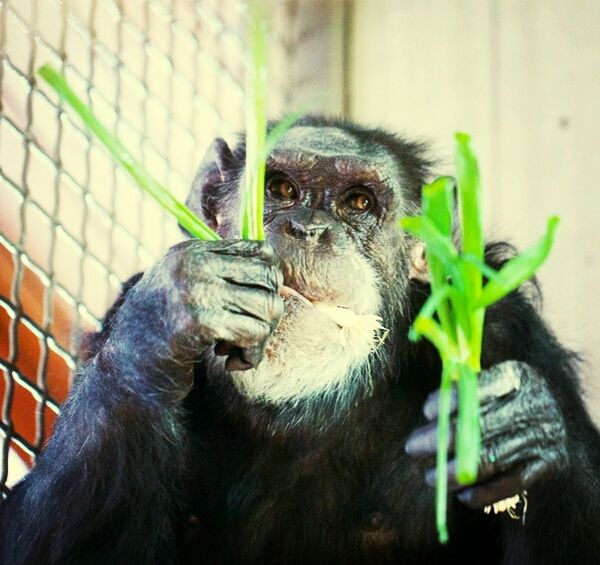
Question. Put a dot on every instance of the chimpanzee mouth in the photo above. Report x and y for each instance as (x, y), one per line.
(317, 282)
(313, 279)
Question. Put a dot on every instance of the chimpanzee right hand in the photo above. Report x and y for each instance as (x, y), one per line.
(197, 295)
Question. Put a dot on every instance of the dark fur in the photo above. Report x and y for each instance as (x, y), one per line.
(130, 479)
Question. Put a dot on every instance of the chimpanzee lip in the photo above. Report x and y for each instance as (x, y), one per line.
(292, 290)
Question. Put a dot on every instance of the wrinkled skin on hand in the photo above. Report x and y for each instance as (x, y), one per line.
(223, 293)
(523, 435)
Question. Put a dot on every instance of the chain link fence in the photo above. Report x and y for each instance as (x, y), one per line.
(166, 76)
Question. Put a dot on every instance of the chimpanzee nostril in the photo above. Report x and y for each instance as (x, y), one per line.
(308, 232)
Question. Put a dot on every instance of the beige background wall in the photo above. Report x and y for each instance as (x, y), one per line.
(523, 78)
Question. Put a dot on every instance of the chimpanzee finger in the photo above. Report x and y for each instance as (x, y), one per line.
(255, 303)
(477, 497)
(502, 454)
(236, 361)
(453, 485)
(497, 457)
(431, 408)
(253, 355)
(422, 443)
(243, 339)
(239, 359)
(227, 247)
(494, 383)
(243, 248)
(254, 273)
(241, 331)
(246, 272)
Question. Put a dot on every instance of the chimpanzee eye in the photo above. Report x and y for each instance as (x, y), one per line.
(361, 201)
(281, 187)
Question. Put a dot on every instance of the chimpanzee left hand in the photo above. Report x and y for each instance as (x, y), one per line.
(523, 435)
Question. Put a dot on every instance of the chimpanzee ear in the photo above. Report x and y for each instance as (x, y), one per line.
(218, 167)
(418, 269)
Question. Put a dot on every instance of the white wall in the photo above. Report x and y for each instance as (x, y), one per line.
(523, 78)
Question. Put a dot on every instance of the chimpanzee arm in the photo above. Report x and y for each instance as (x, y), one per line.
(107, 487)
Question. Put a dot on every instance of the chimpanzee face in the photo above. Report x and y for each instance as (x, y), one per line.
(328, 207)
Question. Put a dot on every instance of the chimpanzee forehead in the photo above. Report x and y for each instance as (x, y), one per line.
(324, 141)
(306, 147)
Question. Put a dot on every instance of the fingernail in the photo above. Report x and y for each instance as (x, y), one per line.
(234, 363)
(414, 443)
(431, 405)
(429, 410)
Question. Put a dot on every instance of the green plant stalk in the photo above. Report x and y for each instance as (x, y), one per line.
(459, 301)
(468, 432)
(180, 211)
(469, 203)
(437, 206)
(520, 268)
(467, 173)
(443, 441)
(252, 225)
(259, 142)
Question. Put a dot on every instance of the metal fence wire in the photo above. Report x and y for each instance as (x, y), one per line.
(166, 76)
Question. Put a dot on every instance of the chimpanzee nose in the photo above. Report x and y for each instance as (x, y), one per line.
(306, 231)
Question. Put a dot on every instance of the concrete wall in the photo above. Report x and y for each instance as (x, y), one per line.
(523, 78)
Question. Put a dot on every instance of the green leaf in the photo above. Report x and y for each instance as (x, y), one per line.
(469, 196)
(429, 328)
(437, 207)
(433, 303)
(438, 204)
(469, 199)
(180, 211)
(520, 268)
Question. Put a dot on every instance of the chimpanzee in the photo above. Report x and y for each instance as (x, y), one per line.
(226, 413)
